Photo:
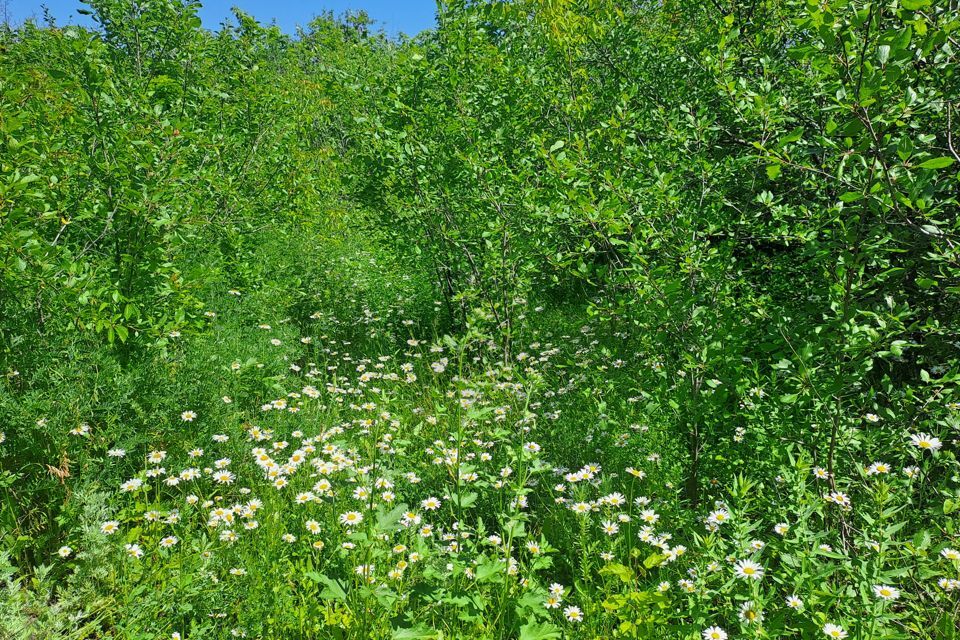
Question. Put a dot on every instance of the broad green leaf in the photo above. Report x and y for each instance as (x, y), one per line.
(936, 163)
(621, 571)
(332, 588)
(539, 631)
(883, 53)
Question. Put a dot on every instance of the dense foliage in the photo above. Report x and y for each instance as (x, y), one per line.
(565, 318)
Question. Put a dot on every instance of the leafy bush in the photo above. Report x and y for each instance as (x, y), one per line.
(562, 319)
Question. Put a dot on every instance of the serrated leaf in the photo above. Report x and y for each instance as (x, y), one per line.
(332, 589)
(390, 520)
(490, 571)
(539, 631)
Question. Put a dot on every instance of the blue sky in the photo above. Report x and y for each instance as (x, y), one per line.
(394, 16)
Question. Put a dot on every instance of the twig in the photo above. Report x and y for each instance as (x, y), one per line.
(950, 131)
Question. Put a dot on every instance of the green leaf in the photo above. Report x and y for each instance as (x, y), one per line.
(390, 521)
(793, 136)
(654, 560)
(936, 163)
(332, 591)
(421, 632)
(466, 500)
(894, 528)
(490, 571)
(905, 148)
(773, 170)
(883, 53)
(539, 631)
(557, 145)
(621, 571)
